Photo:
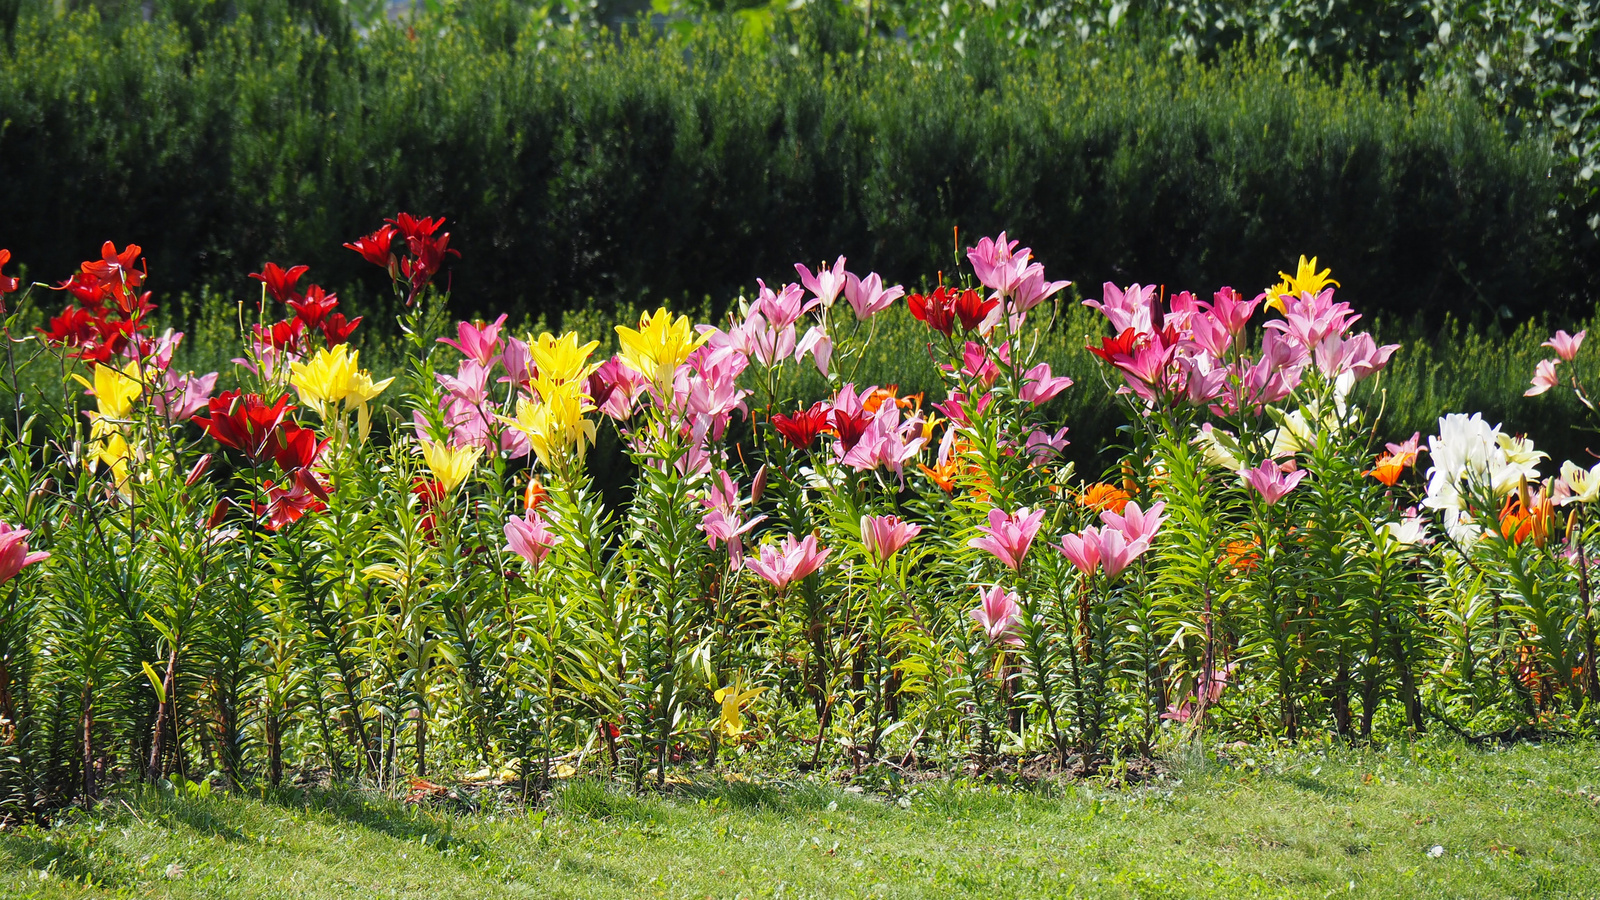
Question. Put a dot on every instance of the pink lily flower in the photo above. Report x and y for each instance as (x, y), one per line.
(528, 537)
(481, 344)
(1211, 335)
(14, 555)
(1008, 535)
(826, 284)
(784, 307)
(883, 535)
(1134, 523)
(1030, 289)
(1309, 319)
(1044, 446)
(768, 345)
(783, 565)
(1358, 355)
(819, 345)
(1271, 481)
(999, 614)
(183, 395)
(992, 255)
(518, 363)
(1117, 552)
(1232, 311)
(1566, 345)
(1082, 549)
(469, 385)
(868, 296)
(1040, 387)
(1126, 309)
(1545, 377)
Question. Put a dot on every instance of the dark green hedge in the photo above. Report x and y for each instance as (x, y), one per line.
(573, 169)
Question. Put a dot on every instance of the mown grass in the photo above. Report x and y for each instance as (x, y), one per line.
(1310, 822)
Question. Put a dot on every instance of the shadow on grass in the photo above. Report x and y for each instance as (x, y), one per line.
(380, 815)
(28, 849)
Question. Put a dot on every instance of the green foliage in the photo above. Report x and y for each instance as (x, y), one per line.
(689, 166)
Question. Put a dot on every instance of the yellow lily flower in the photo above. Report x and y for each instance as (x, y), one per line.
(733, 698)
(560, 358)
(555, 424)
(363, 391)
(326, 378)
(659, 346)
(1305, 279)
(450, 467)
(114, 390)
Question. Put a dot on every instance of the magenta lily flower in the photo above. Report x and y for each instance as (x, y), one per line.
(1040, 387)
(826, 284)
(883, 535)
(792, 561)
(1271, 482)
(1545, 377)
(1008, 535)
(999, 614)
(868, 296)
(991, 257)
(1082, 549)
(528, 537)
(481, 344)
(1566, 345)
(14, 555)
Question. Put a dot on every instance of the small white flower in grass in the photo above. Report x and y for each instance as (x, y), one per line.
(1436, 851)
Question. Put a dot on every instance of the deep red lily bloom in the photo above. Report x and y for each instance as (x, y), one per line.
(415, 226)
(315, 305)
(374, 248)
(280, 282)
(86, 288)
(245, 422)
(117, 267)
(936, 309)
(972, 309)
(428, 493)
(802, 428)
(1121, 345)
(428, 255)
(74, 327)
(295, 447)
(7, 285)
(283, 335)
(335, 330)
(849, 427)
(287, 505)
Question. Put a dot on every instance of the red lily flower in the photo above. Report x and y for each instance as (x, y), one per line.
(245, 422)
(280, 282)
(428, 493)
(849, 427)
(1121, 345)
(972, 308)
(7, 285)
(117, 267)
(936, 309)
(287, 505)
(283, 335)
(75, 326)
(312, 307)
(374, 248)
(415, 226)
(800, 429)
(295, 447)
(336, 331)
(86, 288)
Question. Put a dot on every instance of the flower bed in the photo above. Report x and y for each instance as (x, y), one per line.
(380, 574)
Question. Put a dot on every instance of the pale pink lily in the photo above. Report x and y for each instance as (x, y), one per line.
(883, 535)
(528, 537)
(478, 343)
(183, 396)
(1031, 289)
(782, 308)
(1271, 481)
(1082, 549)
(1043, 446)
(14, 552)
(789, 562)
(1040, 386)
(1545, 377)
(1007, 535)
(1117, 552)
(1308, 319)
(518, 363)
(1136, 524)
(1126, 309)
(1359, 355)
(991, 256)
(826, 284)
(868, 296)
(768, 345)
(819, 345)
(1566, 345)
(999, 614)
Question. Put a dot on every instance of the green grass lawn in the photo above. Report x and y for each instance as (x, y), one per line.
(1429, 820)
